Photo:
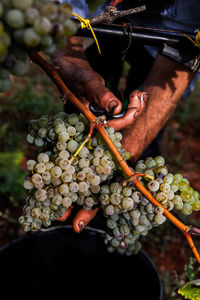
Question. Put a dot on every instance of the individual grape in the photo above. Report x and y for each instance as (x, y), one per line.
(15, 18)
(22, 4)
(72, 146)
(42, 25)
(80, 127)
(55, 181)
(109, 210)
(40, 168)
(30, 164)
(63, 189)
(162, 170)
(41, 195)
(137, 197)
(31, 38)
(127, 203)
(165, 188)
(83, 187)
(159, 219)
(64, 164)
(49, 10)
(178, 178)
(66, 9)
(89, 201)
(63, 137)
(153, 186)
(74, 187)
(83, 162)
(161, 197)
(168, 178)
(57, 200)
(5, 84)
(46, 176)
(149, 162)
(43, 158)
(187, 209)
(84, 152)
(159, 160)
(64, 154)
(183, 186)
(66, 202)
(56, 172)
(30, 15)
(196, 205)
(73, 119)
(127, 191)
(28, 185)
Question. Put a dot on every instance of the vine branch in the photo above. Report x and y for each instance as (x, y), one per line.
(111, 14)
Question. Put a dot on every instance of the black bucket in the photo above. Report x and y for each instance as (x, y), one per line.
(58, 259)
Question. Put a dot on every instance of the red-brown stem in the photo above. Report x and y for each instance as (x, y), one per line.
(95, 123)
(114, 3)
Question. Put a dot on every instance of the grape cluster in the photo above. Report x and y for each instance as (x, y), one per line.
(73, 169)
(66, 170)
(130, 215)
(40, 24)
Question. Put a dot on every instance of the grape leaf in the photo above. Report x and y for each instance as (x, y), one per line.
(190, 291)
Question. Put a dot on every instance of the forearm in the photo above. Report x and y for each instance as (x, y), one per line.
(165, 85)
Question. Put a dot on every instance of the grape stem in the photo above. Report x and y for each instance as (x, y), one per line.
(129, 174)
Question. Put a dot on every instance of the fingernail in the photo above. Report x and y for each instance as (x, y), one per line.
(112, 105)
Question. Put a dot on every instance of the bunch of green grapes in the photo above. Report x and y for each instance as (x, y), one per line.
(66, 170)
(130, 215)
(70, 169)
(39, 24)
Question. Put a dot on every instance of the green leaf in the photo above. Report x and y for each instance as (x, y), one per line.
(191, 290)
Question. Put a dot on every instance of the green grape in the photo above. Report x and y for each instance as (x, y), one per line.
(127, 203)
(4, 73)
(15, 18)
(161, 197)
(28, 185)
(153, 186)
(149, 162)
(159, 219)
(159, 160)
(186, 196)
(31, 38)
(30, 15)
(178, 177)
(22, 4)
(165, 188)
(196, 205)
(42, 25)
(161, 170)
(72, 146)
(183, 186)
(66, 9)
(66, 202)
(187, 209)
(49, 10)
(5, 85)
(168, 178)
(19, 68)
(174, 187)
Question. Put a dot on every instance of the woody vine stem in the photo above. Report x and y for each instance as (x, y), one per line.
(95, 122)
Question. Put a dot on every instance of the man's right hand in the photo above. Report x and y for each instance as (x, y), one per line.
(81, 79)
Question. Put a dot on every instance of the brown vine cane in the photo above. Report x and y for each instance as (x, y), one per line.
(95, 122)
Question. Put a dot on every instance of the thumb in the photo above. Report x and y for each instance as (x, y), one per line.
(108, 101)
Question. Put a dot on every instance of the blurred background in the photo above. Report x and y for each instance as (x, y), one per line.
(34, 95)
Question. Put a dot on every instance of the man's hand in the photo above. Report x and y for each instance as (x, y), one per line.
(137, 101)
(81, 79)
